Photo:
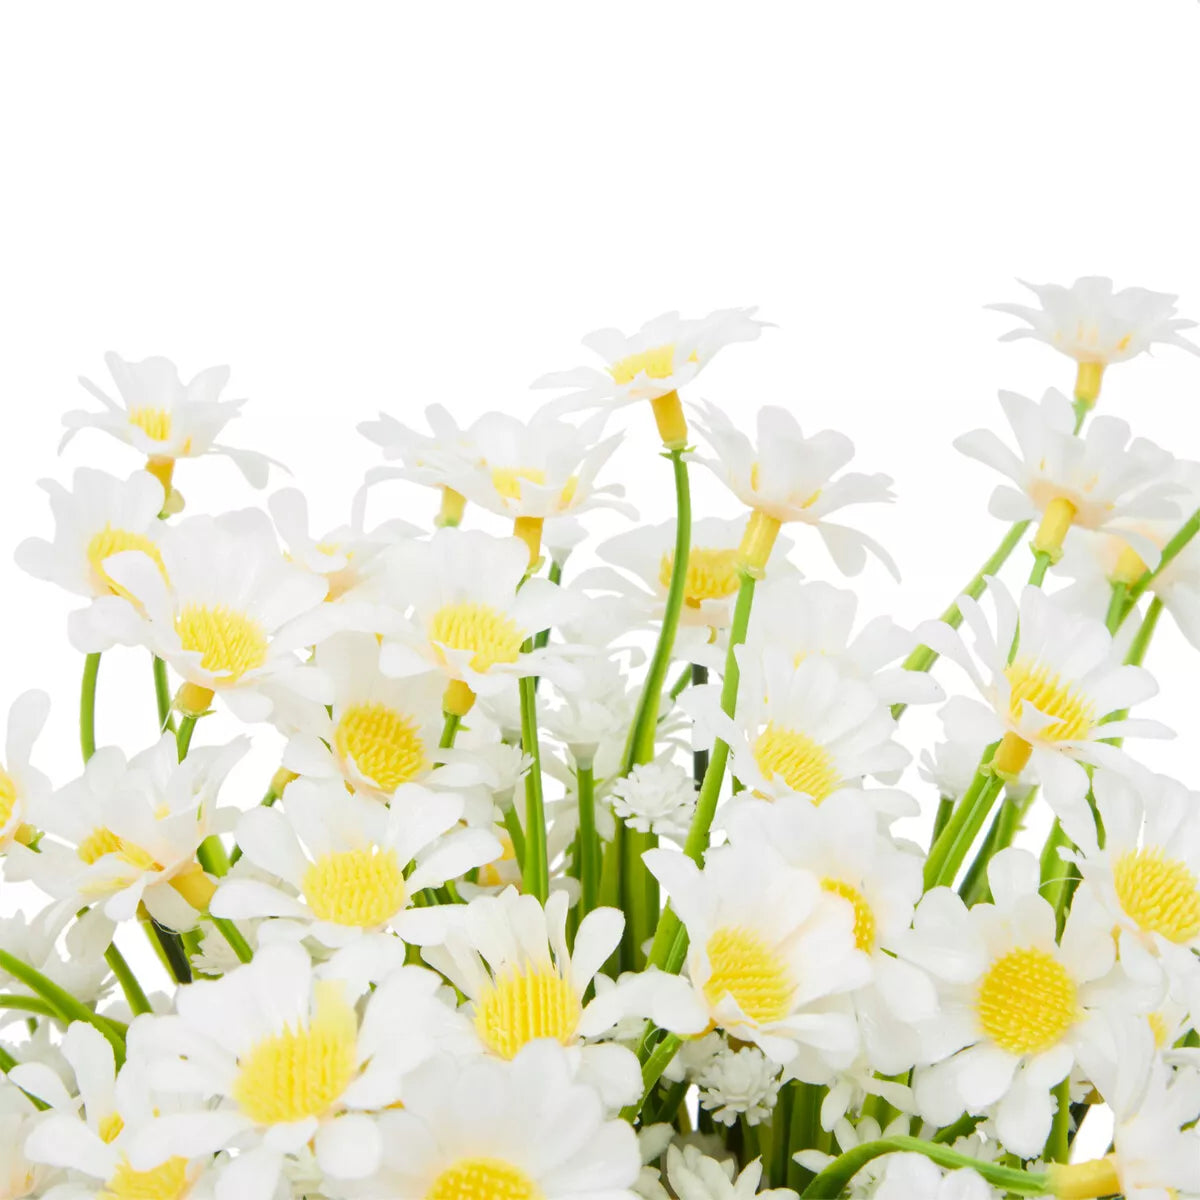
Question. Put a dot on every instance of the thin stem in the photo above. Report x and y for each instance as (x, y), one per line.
(535, 866)
(956, 839)
(1116, 606)
(587, 845)
(162, 696)
(1184, 534)
(174, 955)
(998, 837)
(29, 1004)
(230, 932)
(135, 997)
(516, 835)
(1058, 1144)
(87, 706)
(681, 683)
(449, 731)
(944, 809)
(1041, 564)
(183, 739)
(652, 1069)
(699, 757)
(802, 1129)
(1141, 639)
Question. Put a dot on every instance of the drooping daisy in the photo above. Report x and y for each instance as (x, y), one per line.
(289, 1060)
(21, 784)
(799, 728)
(768, 948)
(1099, 480)
(472, 609)
(1095, 326)
(166, 419)
(1014, 1002)
(524, 1129)
(804, 618)
(217, 609)
(1047, 705)
(788, 477)
(663, 356)
(126, 833)
(348, 865)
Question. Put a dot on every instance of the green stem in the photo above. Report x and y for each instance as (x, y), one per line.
(516, 835)
(681, 684)
(535, 866)
(963, 1127)
(699, 757)
(1183, 535)
(135, 997)
(162, 696)
(1116, 606)
(67, 1007)
(832, 1181)
(1141, 639)
(183, 739)
(87, 706)
(652, 1069)
(944, 809)
(230, 932)
(955, 840)
(999, 837)
(29, 1004)
(587, 845)
(1058, 1144)
(449, 731)
(174, 955)
(1041, 564)
(802, 1131)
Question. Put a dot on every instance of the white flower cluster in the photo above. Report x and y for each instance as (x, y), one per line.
(590, 873)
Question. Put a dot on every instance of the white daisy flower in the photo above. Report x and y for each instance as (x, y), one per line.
(20, 1177)
(790, 478)
(804, 618)
(166, 419)
(1099, 480)
(75, 961)
(100, 516)
(1095, 326)
(857, 865)
(950, 765)
(348, 865)
(289, 1060)
(596, 712)
(736, 1083)
(908, 1176)
(1014, 1002)
(471, 611)
(508, 956)
(22, 784)
(220, 609)
(663, 356)
(125, 833)
(657, 798)
(799, 728)
(1048, 705)
(524, 1129)
(768, 948)
(694, 1176)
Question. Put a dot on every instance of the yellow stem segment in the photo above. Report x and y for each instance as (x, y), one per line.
(454, 504)
(1085, 1180)
(1056, 521)
(757, 542)
(195, 887)
(1087, 383)
(1011, 757)
(458, 699)
(529, 530)
(192, 700)
(672, 424)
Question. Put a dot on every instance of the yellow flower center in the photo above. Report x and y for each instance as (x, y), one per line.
(864, 918)
(712, 574)
(8, 797)
(1159, 893)
(747, 969)
(155, 423)
(360, 888)
(114, 541)
(1026, 1001)
(229, 643)
(803, 764)
(1032, 683)
(657, 363)
(168, 1182)
(301, 1072)
(384, 745)
(523, 1004)
(483, 1179)
(103, 841)
(491, 636)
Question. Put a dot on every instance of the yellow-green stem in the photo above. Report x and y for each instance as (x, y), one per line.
(87, 706)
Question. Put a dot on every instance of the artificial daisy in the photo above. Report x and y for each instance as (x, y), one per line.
(1014, 1010)
(347, 864)
(789, 478)
(523, 1129)
(289, 1060)
(221, 606)
(804, 618)
(1096, 326)
(657, 798)
(166, 419)
(768, 947)
(693, 1175)
(663, 356)
(22, 784)
(66, 950)
(1048, 702)
(472, 610)
(595, 714)
(799, 728)
(950, 764)
(100, 516)
(21, 1178)
(1099, 480)
(908, 1176)
(125, 833)
(739, 1083)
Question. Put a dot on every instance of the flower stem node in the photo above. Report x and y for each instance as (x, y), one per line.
(1129, 567)
(1011, 757)
(163, 469)
(672, 424)
(192, 700)
(281, 779)
(195, 887)
(458, 700)
(757, 542)
(529, 530)
(454, 504)
(1056, 521)
(1085, 1180)
(1087, 383)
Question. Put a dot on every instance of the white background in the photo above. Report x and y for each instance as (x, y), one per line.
(385, 205)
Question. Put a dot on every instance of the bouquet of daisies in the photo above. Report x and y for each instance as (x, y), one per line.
(592, 872)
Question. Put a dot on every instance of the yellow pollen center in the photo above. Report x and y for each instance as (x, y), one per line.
(803, 764)
(864, 918)
(359, 888)
(167, 1182)
(114, 541)
(155, 423)
(491, 636)
(712, 574)
(229, 643)
(1032, 683)
(747, 969)
(301, 1072)
(1160, 894)
(656, 363)
(384, 745)
(1026, 1001)
(483, 1179)
(8, 797)
(507, 480)
(103, 841)
(523, 1004)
